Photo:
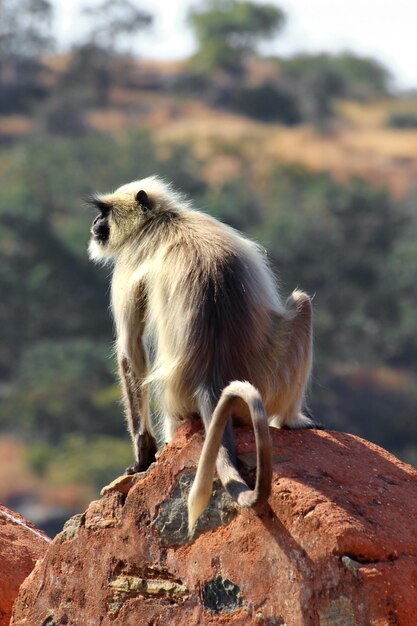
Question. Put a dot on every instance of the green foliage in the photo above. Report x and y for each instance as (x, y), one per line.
(229, 31)
(234, 203)
(59, 389)
(92, 463)
(401, 273)
(51, 291)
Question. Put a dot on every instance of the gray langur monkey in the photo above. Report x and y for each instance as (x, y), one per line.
(199, 321)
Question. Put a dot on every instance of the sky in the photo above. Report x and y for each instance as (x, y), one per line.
(382, 29)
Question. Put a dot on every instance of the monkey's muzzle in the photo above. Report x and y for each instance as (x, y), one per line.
(100, 229)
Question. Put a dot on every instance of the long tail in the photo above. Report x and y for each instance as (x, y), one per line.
(218, 450)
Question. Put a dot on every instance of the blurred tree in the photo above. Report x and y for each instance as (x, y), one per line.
(315, 84)
(114, 24)
(90, 71)
(229, 31)
(318, 92)
(25, 35)
(363, 77)
(360, 76)
(318, 79)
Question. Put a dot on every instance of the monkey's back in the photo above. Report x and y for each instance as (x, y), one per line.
(210, 298)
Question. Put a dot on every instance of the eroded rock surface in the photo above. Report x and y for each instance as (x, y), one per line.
(335, 545)
(21, 544)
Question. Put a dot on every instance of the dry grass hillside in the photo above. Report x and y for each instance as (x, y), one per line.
(359, 143)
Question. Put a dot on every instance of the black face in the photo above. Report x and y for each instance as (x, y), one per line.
(100, 228)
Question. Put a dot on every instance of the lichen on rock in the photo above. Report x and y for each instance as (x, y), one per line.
(172, 518)
(221, 595)
(123, 587)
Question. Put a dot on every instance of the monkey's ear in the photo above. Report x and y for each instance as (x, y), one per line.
(143, 199)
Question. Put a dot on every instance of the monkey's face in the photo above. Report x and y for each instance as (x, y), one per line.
(120, 218)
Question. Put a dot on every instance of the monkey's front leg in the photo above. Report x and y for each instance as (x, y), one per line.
(135, 397)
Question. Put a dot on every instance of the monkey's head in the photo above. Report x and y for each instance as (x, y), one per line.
(123, 214)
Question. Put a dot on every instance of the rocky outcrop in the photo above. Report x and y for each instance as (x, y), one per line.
(335, 545)
(21, 544)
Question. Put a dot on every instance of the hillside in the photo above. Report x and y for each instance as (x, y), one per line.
(360, 142)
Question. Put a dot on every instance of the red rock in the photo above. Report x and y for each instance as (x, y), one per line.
(21, 544)
(336, 544)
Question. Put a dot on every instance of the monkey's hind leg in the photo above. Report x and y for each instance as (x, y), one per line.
(137, 413)
(294, 365)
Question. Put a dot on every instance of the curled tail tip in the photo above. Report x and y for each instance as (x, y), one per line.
(197, 502)
(193, 517)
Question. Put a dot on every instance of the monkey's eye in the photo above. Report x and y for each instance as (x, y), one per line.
(103, 208)
(98, 204)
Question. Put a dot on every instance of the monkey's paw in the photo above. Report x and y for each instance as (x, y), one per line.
(146, 453)
(122, 484)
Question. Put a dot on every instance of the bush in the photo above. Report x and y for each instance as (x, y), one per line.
(64, 115)
(266, 103)
(402, 120)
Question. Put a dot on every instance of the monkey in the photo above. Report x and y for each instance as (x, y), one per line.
(200, 324)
